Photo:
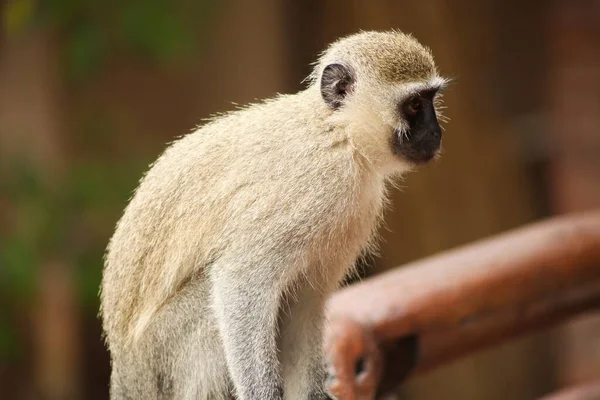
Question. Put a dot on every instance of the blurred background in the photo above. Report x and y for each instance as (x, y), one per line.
(91, 91)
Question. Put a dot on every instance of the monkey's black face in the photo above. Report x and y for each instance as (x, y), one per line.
(423, 139)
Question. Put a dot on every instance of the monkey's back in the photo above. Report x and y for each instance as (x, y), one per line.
(274, 171)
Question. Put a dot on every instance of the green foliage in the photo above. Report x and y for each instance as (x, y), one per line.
(10, 346)
(17, 261)
(93, 31)
(97, 196)
(17, 15)
(70, 221)
(85, 52)
(155, 30)
(19, 265)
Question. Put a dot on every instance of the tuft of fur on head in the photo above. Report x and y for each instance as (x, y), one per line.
(391, 57)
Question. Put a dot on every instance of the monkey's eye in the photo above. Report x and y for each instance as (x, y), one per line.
(412, 106)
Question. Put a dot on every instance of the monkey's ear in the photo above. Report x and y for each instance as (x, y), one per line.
(336, 82)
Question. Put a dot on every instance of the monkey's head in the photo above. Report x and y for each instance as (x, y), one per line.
(383, 88)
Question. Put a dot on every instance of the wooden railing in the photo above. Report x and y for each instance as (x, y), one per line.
(427, 313)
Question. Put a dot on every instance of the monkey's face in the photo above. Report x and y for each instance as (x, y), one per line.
(383, 90)
(394, 125)
(419, 137)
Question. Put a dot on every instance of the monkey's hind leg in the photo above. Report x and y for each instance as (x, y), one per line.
(131, 379)
(118, 391)
(190, 360)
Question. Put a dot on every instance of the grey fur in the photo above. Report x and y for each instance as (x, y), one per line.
(217, 273)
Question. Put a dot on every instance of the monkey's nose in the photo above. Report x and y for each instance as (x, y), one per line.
(436, 133)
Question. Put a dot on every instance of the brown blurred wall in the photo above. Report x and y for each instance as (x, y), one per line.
(252, 50)
(573, 31)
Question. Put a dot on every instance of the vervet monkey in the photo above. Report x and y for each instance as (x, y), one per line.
(217, 273)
